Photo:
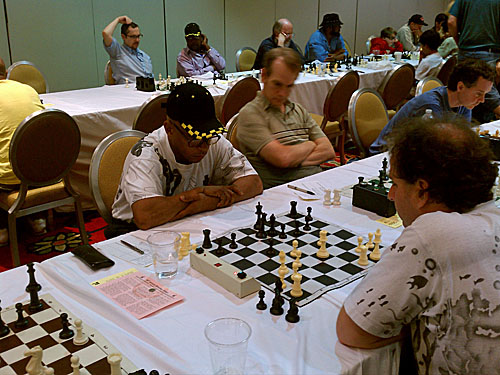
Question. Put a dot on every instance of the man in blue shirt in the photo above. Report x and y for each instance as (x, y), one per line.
(468, 84)
(127, 60)
(326, 43)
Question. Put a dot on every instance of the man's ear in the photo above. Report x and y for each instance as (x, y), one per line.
(460, 86)
(124, 37)
(423, 195)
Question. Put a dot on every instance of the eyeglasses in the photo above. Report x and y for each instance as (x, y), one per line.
(135, 36)
(197, 142)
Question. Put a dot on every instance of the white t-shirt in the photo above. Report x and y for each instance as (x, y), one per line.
(429, 66)
(442, 275)
(151, 170)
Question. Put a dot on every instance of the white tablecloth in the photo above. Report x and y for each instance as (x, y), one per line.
(172, 340)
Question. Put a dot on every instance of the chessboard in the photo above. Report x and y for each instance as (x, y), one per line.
(42, 329)
(346, 191)
(318, 275)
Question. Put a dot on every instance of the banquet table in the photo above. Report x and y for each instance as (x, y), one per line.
(172, 339)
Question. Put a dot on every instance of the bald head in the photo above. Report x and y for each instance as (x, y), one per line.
(285, 27)
(3, 74)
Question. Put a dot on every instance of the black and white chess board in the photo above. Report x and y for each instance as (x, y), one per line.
(43, 329)
(318, 275)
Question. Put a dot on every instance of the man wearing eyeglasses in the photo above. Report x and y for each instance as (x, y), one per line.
(198, 57)
(282, 37)
(126, 60)
(183, 168)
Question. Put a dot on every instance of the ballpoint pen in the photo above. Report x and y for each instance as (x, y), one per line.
(130, 246)
(300, 189)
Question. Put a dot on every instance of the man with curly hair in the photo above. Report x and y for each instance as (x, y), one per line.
(439, 281)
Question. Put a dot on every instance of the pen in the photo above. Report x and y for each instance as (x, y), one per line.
(300, 189)
(130, 246)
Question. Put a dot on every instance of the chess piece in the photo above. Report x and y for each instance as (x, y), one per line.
(185, 245)
(4, 329)
(126, 83)
(272, 226)
(336, 197)
(75, 364)
(66, 332)
(271, 251)
(360, 242)
(32, 282)
(155, 372)
(278, 301)
(375, 254)
(80, 337)
(34, 366)
(369, 244)
(309, 216)
(297, 278)
(35, 304)
(293, 210)
(282, 234)
(384, 169)
(295, 244)
(21, 321)
(296, 231)
(48, 371)
(220, 250)
(207, 244)
(233, 244)
(307, 227)
(114, 361)
(292, 315)
(298, 254)
(327, 198)
(261, 305)
(322, 252)
(260, 230)
(283, 269)
(363, 258)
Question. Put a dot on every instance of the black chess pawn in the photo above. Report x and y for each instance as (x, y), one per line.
(293, 210)
(35, 303)
(292, 315)
(272, 226)
(21, 321)
(296, 231)
(32, 283)
(261, 305)
(233, 244)
(277, 304)
(282, 234)
(4, 329)
(307, 226)
(309, 210)
(207, 244)
(271, 251)
(66, 332)
(220, 249)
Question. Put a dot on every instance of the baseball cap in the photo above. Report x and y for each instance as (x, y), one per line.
(193, 106)
(192, 29)
(331, 19)
(418, 19)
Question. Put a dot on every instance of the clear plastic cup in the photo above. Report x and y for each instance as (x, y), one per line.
(165, 248)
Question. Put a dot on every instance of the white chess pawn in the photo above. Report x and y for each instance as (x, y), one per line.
(327, 198)
(80, 338)
(114, 361)
(295, 244)
(126, 82)
(75, 364)
(322, 252)
(336, 197)
(360, 242)
(363, 258)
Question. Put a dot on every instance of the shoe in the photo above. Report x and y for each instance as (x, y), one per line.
(4, 236)
(38, 226)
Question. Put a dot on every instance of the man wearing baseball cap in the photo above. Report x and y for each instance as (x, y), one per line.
(198, 57)
(326, 43)
(183, 168)
(409, 34)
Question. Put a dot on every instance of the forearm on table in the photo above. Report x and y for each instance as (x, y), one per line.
(154, 211)
(250, 186)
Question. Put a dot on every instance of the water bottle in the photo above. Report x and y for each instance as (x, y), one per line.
(428, 114)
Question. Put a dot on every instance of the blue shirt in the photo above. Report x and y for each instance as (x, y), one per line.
(128, 63)
(435, 99)
(317, 48)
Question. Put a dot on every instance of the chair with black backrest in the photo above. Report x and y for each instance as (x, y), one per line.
(245, 57)
(43, 149)
(26, 72)
(396, 87)
(106, 168)
(237, 96)
(367, 116)
(232, 125)
(428, 83)
(152, 114)
(335, 109)
(446, 69)
(108, 75)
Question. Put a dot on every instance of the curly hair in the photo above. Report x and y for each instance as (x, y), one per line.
(468, 71)
(457, 164)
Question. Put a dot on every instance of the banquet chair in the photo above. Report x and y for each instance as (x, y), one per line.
(428, 83)
(245, 57)
(152, 114)
(106, 168)
(335, 108)
(367, 116)
(26, 72)
(108, 75)
(348, 48)
(396, 87)
(42, 151)
(231, 132)
(369, 44)
(242, 92)
(446, 69)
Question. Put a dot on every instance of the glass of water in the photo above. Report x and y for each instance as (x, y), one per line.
(164, 246)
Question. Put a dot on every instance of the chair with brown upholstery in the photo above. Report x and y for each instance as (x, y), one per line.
(43, 149)
(152, 114)
(237, 96)
(367, 116)
(446, 69)
(428, 83)
(26, 72)
(232, 125)
(108, 75)
(335, 108)
(396, 87)
(106, 168)
(245, 57)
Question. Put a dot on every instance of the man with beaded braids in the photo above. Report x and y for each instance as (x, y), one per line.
(440, 280)
(183, 168)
